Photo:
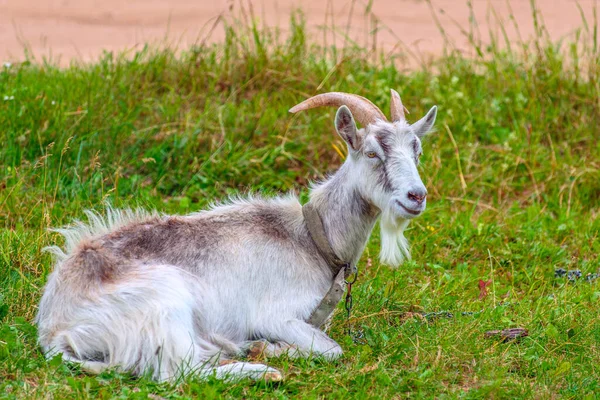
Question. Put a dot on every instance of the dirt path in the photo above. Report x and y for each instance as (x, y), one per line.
(81, 29)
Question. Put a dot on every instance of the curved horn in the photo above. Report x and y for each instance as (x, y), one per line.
(397, 109)
(362, 109)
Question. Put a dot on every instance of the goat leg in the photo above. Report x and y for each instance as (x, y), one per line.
(261, 349)
(305, 339)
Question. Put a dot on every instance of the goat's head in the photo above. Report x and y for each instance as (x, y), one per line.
(384, 156)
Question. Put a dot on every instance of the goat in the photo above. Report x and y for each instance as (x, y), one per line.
(168, 296)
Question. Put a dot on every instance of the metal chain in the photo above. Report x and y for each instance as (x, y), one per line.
(350, 303)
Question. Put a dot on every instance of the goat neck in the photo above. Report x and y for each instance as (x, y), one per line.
(348, 218)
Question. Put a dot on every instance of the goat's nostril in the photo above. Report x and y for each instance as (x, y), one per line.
(417, 196)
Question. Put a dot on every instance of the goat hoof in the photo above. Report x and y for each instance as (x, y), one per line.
(275, 376)
(256, 351)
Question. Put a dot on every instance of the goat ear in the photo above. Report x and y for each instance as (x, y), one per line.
(346, 127)
(424, 125)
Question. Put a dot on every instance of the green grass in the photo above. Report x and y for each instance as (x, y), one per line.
(512, 172)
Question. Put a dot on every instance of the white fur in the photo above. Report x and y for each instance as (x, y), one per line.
(394, 246)
(97, 225)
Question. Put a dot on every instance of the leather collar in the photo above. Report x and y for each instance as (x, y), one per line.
(316, 231)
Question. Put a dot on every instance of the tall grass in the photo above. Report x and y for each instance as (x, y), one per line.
(512, 171)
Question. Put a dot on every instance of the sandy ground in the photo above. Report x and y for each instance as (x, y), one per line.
(66, 30)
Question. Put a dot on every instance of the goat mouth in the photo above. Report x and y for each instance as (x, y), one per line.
(409, 210)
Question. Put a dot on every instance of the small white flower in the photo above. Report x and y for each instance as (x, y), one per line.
(522, 100)
(7, 65)
(53, 102)
(8, 98)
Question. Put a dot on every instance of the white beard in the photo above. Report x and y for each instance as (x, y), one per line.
(394, 246)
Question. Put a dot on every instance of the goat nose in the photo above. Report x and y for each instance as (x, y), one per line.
(417, 195)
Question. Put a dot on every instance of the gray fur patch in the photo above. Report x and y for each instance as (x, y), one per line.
(383, 136)
(91, 264)
(174, 240)
(270, 222)
(361, 206)
(383, 178)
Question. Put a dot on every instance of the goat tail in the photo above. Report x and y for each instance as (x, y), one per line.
(144, 323)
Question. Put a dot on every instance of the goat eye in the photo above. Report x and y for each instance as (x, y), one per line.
(371, 154)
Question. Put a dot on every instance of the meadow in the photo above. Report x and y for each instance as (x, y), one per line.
(513, 174)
